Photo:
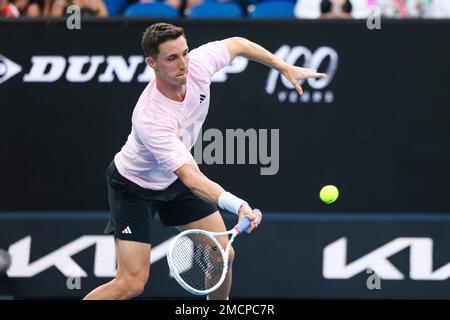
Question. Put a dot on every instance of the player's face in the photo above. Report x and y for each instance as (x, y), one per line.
(172, 62)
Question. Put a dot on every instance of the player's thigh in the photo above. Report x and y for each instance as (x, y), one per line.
(133, 260)
(212, 222)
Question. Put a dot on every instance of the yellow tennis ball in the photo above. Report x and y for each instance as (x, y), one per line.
(329, 194)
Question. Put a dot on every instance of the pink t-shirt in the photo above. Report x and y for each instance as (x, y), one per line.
(163, 130)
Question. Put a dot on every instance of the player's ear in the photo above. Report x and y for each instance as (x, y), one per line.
(151, 62)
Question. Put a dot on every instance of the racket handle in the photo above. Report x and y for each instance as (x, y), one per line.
(243, 225)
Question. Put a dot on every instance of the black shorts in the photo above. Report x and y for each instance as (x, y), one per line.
(133, 207)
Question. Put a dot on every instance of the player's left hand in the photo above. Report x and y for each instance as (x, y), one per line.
(295, 74)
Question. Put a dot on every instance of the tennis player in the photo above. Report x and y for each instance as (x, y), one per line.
(155, 172)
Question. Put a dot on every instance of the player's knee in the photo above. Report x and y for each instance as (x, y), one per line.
(133, 285)
(136, 287)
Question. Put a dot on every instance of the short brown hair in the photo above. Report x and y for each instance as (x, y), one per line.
(159, 33)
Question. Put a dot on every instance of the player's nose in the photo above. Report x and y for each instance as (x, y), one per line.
(183, 63)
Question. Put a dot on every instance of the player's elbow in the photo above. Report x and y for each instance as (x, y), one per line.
(236, 46)
(239, 40)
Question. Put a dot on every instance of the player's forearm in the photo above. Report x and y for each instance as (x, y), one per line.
(208, 190)
(205, 189)
(255, 52)
(199, 184)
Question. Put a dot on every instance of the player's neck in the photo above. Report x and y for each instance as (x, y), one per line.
(176, 93)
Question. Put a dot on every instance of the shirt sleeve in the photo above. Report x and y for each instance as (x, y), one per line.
(210, 58)
(159, 135)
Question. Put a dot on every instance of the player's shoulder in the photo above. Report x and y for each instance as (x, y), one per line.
(206, 60)
(208, 47)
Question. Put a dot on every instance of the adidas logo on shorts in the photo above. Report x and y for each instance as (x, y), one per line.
(127, 230)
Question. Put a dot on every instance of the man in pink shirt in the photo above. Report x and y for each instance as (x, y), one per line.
(155, 172)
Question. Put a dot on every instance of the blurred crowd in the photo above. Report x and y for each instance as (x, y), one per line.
(302, 9)
(50, 8)
(359, 9)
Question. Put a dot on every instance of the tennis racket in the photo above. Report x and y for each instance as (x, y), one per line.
(198, 261)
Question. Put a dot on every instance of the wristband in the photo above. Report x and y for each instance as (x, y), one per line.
(230, 202)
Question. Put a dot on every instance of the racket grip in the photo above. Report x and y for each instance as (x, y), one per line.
(243, 225)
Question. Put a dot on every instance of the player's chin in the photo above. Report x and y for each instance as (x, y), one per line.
(183, 80)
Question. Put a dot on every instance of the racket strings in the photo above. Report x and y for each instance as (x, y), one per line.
(198, 261)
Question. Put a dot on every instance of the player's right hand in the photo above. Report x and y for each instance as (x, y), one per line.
(254, 216)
